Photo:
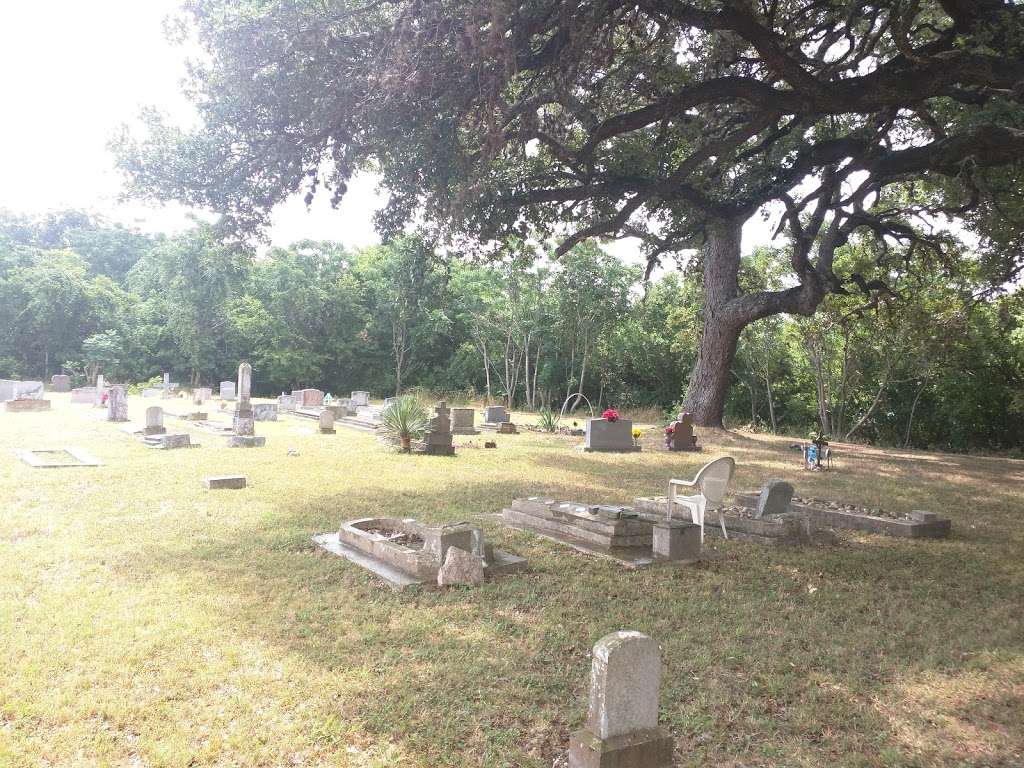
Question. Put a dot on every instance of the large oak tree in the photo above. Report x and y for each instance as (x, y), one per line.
(674, 122)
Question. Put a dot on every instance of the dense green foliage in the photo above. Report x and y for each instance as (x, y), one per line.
(932, 368)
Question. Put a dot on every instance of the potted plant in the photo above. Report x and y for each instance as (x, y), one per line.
(403, 421)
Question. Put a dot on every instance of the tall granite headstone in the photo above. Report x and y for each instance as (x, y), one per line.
(117, 404)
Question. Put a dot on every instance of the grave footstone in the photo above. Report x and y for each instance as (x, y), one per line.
(154, 421)
(225, 481)
(622, 724)
(775, 498)
(60, 383)
(460, 567)
(117, 404)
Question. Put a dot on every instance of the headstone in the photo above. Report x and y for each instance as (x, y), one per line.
(389, 401)
(622, 724)
(675, 540)
(286, 403)
(243, 425)
(360, 398)
(774, 499)
(264, 411)
(60, 383)
(227, 390)
(11, 389)
(85, 395)
(154, 421)
(244, 382)
(167, 385)
(437, 441)
(681, 437)
(225, 481)
(495, 414)
(463, 421)
(100, 391)
(201, 394)
(327, 422)
(307, 398)
(460, 567)
(609, 436)
(507, 428)
(117, 404)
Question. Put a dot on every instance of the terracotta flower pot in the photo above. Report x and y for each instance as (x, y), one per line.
(406, 443)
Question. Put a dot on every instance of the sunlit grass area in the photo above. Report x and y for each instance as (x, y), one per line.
(146, 621)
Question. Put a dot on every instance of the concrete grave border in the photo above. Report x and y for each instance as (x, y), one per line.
(82, 458)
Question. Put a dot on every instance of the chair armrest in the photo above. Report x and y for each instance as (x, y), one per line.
(683, 483)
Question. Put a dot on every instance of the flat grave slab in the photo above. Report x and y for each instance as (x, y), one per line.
(233, 482)
(26, 406)
(626, 539)
(58, 457)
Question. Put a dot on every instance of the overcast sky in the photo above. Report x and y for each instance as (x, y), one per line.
(75, 70)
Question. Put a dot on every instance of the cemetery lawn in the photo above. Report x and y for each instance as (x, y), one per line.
(146, 621)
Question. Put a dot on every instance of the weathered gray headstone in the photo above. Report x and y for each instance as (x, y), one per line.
(495, 414)
(117, 404)
(85, 395)
(286, 403)
(460, 567)
(201, 394)
(227, 390)
(100, 391)
(775, 498)
(11, 389)
(463, 421)
(622, 724)
(60, 383)
(264, 411)
(359, 398)
(154, 421)
(327, 422)
(437, 441)
(609, 436)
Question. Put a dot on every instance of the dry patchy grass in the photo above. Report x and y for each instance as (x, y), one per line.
(145, 621)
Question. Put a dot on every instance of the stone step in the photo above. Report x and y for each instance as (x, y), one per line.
(353, 422)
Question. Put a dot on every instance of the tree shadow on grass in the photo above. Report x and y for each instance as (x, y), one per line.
(496, 675)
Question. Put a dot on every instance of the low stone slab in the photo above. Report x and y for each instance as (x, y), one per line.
(57, 457)
(790, 528)
(26, 406)
(233, 482)
(246, 441)
(925, 527)
(167, 442)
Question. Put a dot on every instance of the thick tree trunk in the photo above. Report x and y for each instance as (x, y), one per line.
(709, 382)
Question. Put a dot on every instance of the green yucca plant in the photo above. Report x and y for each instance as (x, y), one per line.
(403, 421)
(548, 421)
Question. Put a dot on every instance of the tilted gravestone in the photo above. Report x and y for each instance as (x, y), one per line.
(775, 498)
(622, 723)
(117, 404)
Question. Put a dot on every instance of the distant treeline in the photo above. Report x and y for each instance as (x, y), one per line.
(934, 367)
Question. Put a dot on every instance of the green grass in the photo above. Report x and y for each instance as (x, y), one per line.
(147, 621)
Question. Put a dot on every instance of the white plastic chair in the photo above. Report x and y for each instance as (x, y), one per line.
(711, 484)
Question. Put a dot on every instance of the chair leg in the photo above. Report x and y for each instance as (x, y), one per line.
(721, 520)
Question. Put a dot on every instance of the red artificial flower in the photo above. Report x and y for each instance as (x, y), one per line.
(610, 415)
(670, 430)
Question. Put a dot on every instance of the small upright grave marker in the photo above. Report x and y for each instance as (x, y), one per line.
(227, 390)
(622, 723)
(60, 383)
(327, 422)
(225, 481)
(154, 421)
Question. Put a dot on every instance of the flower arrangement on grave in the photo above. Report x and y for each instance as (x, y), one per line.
(610, 415)
(637, 434)
(670, 435)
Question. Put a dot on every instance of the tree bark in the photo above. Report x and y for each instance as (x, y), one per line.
(709, 382)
